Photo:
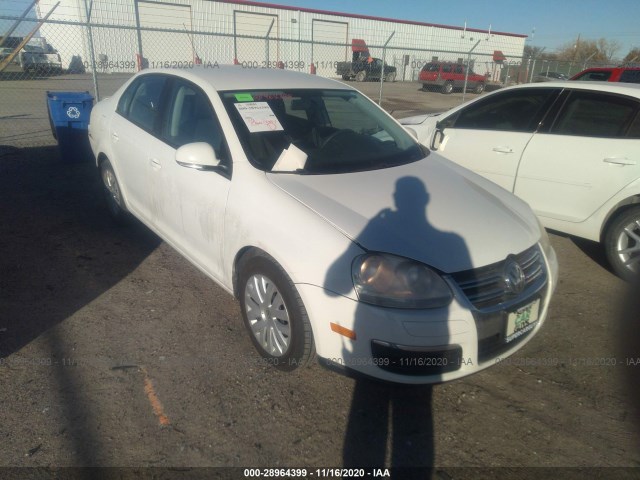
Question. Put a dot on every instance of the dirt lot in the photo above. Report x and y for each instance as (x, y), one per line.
(117, 352)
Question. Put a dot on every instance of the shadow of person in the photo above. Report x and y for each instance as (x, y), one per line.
(388, 415)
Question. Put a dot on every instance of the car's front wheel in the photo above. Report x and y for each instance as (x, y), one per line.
(622, 244)
(273, 313)
(479, 88)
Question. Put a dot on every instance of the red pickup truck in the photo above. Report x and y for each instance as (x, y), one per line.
(448, 76)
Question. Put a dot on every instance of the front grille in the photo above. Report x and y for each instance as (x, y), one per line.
(485, 287)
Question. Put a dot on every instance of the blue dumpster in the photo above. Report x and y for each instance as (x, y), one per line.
(69, 114)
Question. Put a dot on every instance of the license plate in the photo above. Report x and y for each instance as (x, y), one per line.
(522, 321)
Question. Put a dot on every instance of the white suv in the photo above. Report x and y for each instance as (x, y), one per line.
(570, 149)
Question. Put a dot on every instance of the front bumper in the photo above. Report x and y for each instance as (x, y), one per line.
(418, 346)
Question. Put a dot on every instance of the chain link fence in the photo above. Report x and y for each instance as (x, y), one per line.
(72, 55)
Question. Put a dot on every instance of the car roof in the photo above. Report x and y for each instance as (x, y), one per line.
(607, 69)
(237, 77)
(632, 89)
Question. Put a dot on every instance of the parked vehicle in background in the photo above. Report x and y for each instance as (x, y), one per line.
(37, 59)
(609, 74)
(335, 229)
(365, 69)
(569, 149)
(549, 77)
(449, 76)
(363, 66)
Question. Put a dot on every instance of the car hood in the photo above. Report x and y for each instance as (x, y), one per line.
(418, 119)
(432, 211)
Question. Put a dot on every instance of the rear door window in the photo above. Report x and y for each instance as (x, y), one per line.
(145, 106)
(595, 114)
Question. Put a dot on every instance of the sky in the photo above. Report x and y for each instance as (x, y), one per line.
(555, 22)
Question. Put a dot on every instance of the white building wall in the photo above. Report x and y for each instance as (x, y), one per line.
(214, 23)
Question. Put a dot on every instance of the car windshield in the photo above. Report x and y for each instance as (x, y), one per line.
(315, 131)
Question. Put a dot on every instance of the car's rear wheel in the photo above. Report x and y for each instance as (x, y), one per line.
(112, 192)
(390, 77)
(447, 88)
(479, 88)
(273, 313)
(345, 78)
(361, 76)
(622, 244)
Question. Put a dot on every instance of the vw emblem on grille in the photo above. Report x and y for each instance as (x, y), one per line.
(513, 277)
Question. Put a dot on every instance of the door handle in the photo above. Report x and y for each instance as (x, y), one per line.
(619, 161)
(503, 149)
(155, 164)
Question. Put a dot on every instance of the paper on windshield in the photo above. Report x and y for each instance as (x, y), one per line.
(258, 117)
(290, 160)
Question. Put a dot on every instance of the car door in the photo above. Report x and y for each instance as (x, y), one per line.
(490, 135)
(188, 204)
(132, 129)
(591, 151)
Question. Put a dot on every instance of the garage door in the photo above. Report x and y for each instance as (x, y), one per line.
(160, 47)
(256, 51)
(325, 57)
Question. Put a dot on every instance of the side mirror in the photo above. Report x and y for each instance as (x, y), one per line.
(438, 137)
(198, 155)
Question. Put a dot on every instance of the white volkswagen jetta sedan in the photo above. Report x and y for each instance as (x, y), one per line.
(339, 234)
(569, 149)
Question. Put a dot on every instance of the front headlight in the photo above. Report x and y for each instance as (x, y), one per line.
(545, 243)
(391, 281)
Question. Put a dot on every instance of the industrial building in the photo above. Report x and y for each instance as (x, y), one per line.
(125, 34)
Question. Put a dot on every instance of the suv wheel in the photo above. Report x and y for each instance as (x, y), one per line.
(361, 76)
(479, 88)
(447, 88)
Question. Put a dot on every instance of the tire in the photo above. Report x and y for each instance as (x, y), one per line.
(361, 76)
(274, 314)
(479, 88)
(390, 77)
(622, 244)
(447, 88)
(112, 191)
(346, 78)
